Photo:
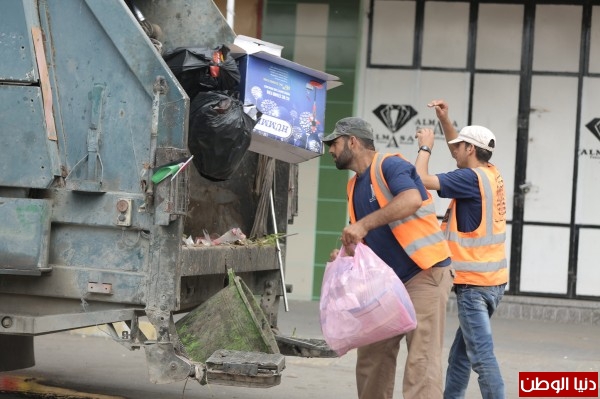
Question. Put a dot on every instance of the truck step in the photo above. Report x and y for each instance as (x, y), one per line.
(303, 347)
(244, 369)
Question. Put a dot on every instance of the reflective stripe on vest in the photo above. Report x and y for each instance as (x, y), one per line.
(427, 209)
(484, 254)
(425, 250)
(479, 267)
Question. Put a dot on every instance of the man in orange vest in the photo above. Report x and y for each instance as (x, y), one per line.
(475, 227)
(392, 212)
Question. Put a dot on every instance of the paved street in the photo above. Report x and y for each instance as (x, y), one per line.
(94, 364)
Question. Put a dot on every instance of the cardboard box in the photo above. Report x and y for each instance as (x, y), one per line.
(290, 96)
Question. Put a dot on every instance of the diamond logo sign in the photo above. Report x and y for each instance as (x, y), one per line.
(594, 126)
(394, 116)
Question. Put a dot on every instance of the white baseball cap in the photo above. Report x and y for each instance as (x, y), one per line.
(477, 135)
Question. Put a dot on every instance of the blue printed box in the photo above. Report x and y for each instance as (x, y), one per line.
(291, 98)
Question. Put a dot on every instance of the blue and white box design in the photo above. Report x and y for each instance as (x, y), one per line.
(291, 98)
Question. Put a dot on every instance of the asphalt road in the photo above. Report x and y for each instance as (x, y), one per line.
(79, 366)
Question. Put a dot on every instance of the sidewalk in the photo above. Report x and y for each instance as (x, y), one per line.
(544, 309)
(521, 345)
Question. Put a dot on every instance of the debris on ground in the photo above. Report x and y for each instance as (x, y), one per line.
(233, 236)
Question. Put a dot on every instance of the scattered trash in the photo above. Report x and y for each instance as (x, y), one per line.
(188, 241)
(206, 240)
(232, 236)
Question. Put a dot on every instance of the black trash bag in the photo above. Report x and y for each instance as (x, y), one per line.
(219, 134)
(200, 69)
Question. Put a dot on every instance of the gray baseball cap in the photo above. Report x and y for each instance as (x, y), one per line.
(351, 126)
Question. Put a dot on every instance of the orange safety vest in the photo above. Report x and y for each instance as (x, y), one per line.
(479, 256)
(419, 234)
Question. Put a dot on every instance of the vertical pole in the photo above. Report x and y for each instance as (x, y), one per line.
(230, 12)
(283, 288)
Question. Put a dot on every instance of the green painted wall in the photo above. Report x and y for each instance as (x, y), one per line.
(343, 39)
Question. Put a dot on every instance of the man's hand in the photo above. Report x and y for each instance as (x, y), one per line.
(441, 111)
(425, 136)
(348, 251)
(441, 108)
(353, 234)
(333, 254)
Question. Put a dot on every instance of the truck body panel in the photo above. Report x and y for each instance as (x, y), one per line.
(89, 110)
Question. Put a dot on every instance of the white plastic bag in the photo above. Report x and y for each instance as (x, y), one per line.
(362, 301)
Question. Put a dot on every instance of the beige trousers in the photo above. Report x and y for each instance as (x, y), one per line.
(376, 363)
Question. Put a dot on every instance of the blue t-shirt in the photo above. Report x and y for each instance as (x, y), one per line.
(463, 185)
(400, 175)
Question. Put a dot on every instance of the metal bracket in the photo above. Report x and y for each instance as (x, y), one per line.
(160, 87)
(525, 187)
(164, 365)
(166, 361)
(92, 182)
(100, 288)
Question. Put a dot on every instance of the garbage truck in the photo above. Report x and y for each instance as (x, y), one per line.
(88, 111)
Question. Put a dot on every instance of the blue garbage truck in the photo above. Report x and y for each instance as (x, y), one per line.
(88, 111)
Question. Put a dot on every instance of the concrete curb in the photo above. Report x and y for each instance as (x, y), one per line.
(565, 311)
(544, 309)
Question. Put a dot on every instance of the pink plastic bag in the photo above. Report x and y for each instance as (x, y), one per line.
(362, 301)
